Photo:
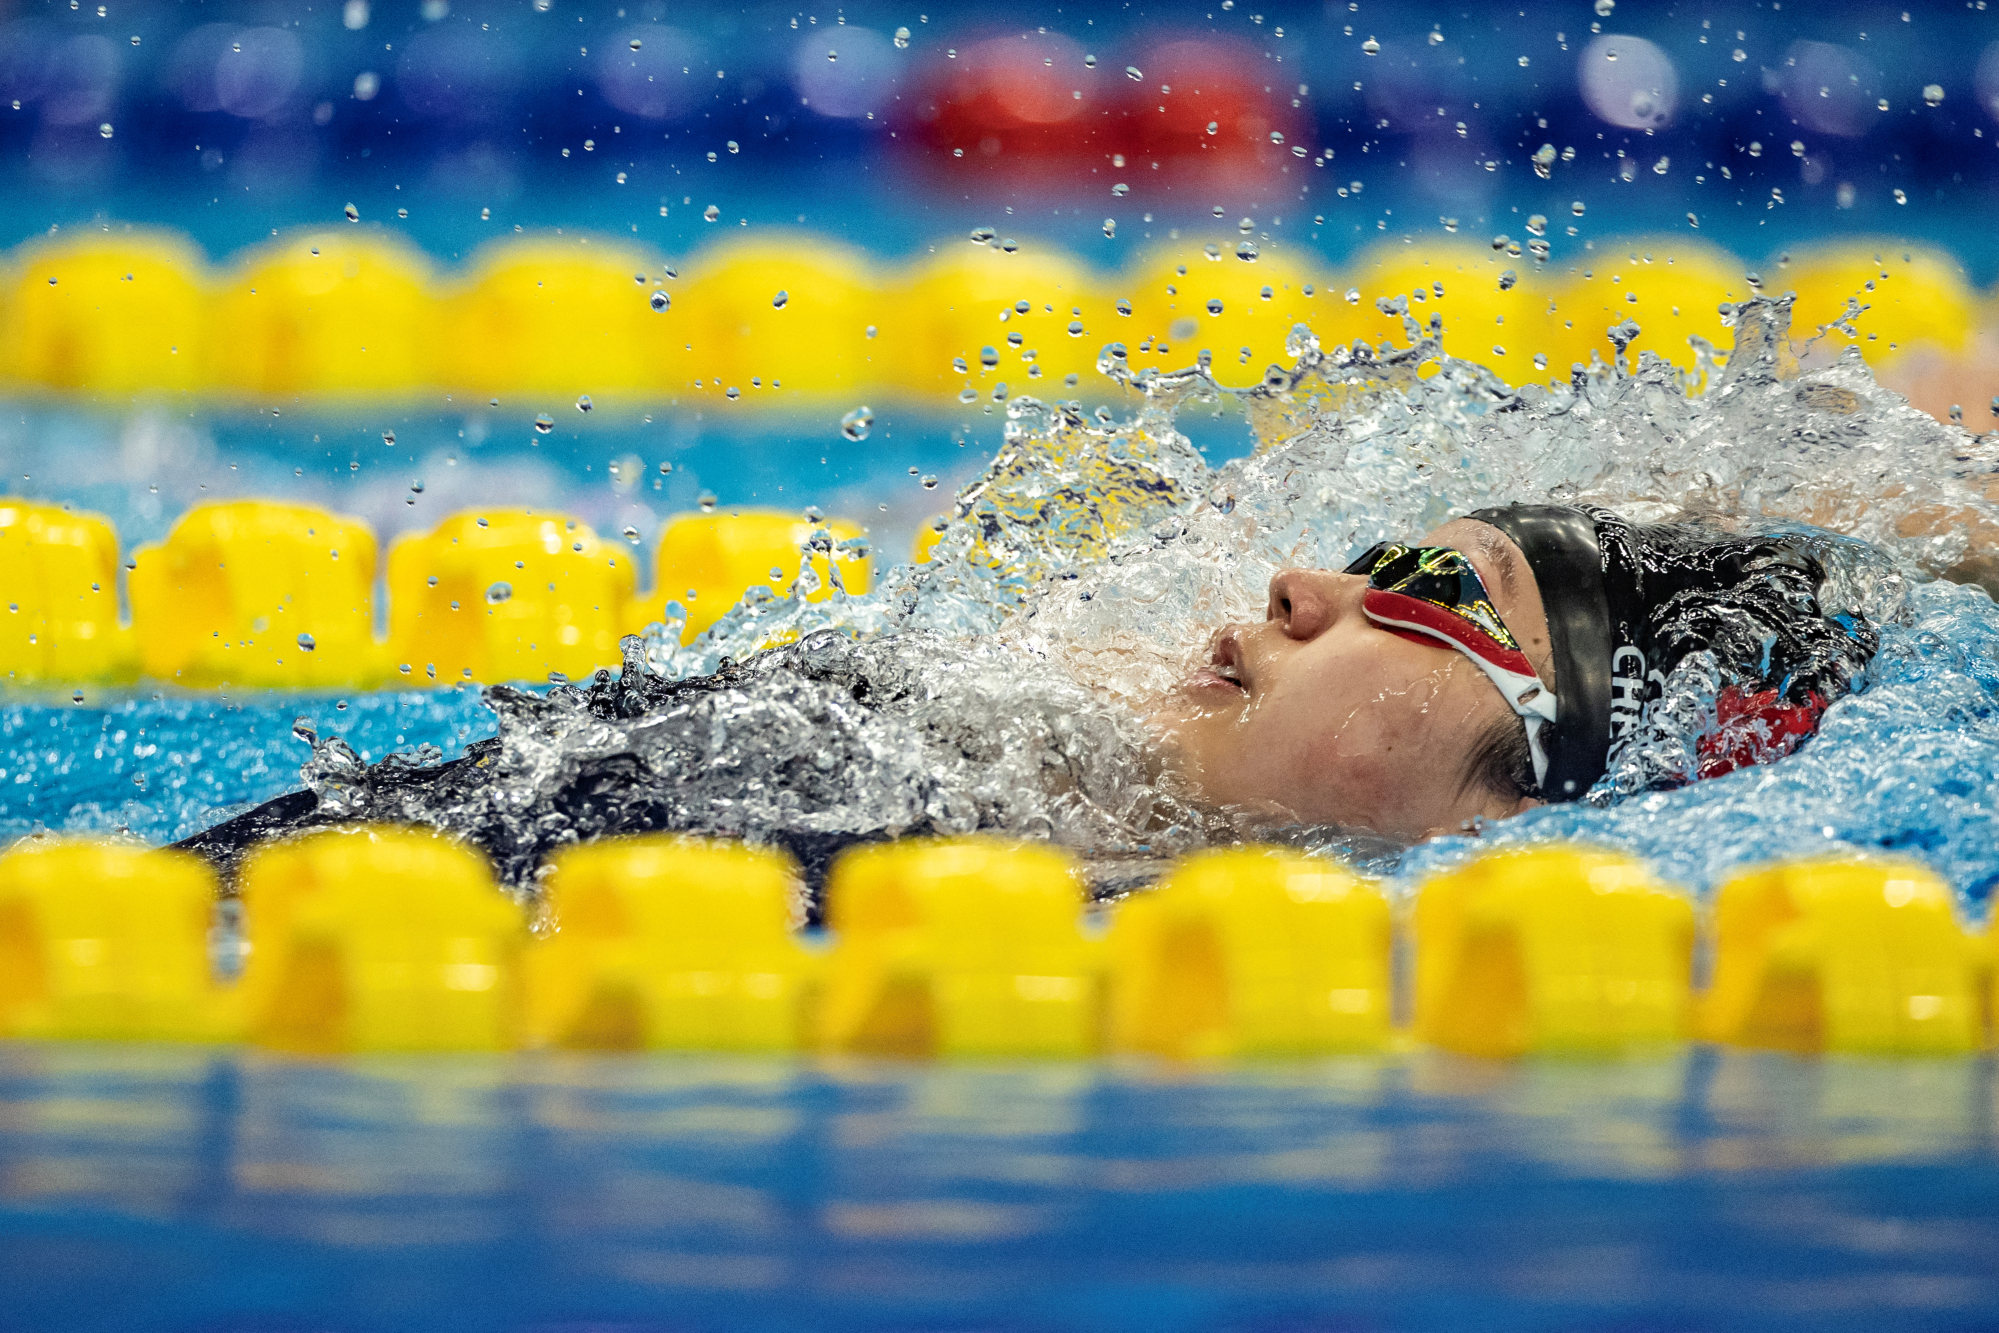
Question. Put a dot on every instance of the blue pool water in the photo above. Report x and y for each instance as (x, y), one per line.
(197, 1190)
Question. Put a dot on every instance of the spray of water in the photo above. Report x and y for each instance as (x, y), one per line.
(1002, 684)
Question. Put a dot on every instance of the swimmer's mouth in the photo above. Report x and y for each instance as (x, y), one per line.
(1224, 670)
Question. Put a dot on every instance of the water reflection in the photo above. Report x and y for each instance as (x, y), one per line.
(510, 1192)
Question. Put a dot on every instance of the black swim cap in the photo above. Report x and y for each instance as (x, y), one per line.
(1627, 602)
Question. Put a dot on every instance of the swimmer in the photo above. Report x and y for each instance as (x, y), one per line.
(1463, 675)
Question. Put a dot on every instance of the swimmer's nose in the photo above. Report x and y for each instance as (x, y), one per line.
(1304, 602)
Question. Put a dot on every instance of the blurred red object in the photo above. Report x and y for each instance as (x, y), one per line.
(1027, 110)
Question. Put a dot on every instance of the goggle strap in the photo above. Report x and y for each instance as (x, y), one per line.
(1523, 690)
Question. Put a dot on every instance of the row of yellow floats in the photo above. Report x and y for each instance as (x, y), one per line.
(253, 593)
(374, 939)
(350, 317)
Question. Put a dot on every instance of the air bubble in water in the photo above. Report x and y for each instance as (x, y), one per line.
(1507, 279)
(1133, 73)
(706, 502)
(583, 403)
(1370, 47)
(635, 43)
(710, 213)
(499, 592)
(1110, 228)
(902, 39)
(781, 300)
(389, 439)
(983, 235)
(543, 423)
(104, 131)
(306, 643)
(353, 213)
(1578, 207)
(1353, 296)
(1933, 94)
(1604, 8)
(659, 300)
(1246, 252)
(857, 423)
(1215, 305)
(631, 534)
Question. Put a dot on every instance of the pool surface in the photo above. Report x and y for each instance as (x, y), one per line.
(154, 1188)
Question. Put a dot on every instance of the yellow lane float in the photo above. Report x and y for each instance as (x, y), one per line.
(383, 939)
(500, 595)
(1252, 951)
(252, 593)
(671, 943)
(333, 319)
(1552, 951)
(959, 947)
(368, 939)
(59, 572)
(108, 941)
(108, 316)
(707, 562)
(1844, 954)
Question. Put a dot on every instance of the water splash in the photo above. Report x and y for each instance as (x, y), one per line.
(1001, 684)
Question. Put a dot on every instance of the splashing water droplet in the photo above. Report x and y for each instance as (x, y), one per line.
(499, 592)
(857, 423)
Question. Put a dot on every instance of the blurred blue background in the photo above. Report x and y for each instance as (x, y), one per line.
(1775, 125)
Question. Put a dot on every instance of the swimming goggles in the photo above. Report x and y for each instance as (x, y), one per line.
(1435, 593)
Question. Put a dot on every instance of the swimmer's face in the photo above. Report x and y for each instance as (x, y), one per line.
(1318, 715)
